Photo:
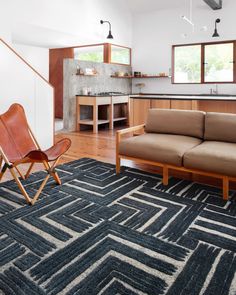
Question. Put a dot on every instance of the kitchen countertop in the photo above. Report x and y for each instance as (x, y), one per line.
(166, 96)
(102, 95)
(185, 96)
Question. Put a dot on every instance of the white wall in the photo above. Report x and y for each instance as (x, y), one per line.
(156, 32)
(58, 23)
(19, 83)
(37, 57)
(5, 28)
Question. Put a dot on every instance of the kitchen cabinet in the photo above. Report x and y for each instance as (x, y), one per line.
(139, 106)
(120, 108)
(181, 104)
(160, 104)
(217, 106)
(139, 111)
(105, 110)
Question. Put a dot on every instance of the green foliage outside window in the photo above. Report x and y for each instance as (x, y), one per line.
(188, 64)
(90, 53)
(217, 66)
(219, 62)
(120, 55)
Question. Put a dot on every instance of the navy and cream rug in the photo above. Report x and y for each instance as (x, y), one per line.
(100, 233)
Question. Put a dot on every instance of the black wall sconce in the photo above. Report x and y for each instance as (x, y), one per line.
(109, 35)
(215, 31)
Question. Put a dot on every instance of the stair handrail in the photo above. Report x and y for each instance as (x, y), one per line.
(33, 69)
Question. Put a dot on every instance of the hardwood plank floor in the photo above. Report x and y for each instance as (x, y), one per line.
(101, 147)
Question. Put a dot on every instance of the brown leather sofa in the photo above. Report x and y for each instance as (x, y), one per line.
(190, 141)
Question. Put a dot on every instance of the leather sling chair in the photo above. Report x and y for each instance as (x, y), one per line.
(19, 146)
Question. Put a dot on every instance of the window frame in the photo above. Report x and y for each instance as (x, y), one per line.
(130, 54)
(107, 52)
(202, 61)
(90, 45)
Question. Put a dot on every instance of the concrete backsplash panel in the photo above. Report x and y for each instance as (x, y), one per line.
(102, 82)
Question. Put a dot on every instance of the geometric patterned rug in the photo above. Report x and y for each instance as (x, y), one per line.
(102, 233)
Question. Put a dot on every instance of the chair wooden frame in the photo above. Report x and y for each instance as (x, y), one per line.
(166, 167)
(38, 157)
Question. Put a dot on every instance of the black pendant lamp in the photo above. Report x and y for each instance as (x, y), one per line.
(109, 35)
(215, 31)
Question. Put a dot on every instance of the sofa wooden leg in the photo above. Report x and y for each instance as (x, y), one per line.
(226, 188)
(165, 179)
(117, 164)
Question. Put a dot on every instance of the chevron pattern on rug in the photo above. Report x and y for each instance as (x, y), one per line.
(102, 233)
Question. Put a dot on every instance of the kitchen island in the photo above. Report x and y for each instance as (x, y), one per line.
(141, 103)
(95, 110)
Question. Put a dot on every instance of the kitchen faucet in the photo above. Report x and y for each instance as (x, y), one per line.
(214, 91)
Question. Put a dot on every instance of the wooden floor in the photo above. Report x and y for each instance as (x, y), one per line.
(101, 146)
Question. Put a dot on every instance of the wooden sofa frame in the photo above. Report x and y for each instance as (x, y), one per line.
(140, 129)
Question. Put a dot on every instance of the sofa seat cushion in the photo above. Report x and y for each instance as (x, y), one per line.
(162, 148)
(213, 156)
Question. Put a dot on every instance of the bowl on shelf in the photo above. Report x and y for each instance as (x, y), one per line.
(137, 74)
(121, 74)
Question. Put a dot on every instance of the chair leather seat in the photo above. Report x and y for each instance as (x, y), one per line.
(58, 149)
(162, 148)
(213, 156)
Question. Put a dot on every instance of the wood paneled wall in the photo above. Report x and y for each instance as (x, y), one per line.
(56, 57)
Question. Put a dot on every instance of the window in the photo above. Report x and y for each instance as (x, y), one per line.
(204, 63)
(218, 63)
(104, 52)
(89, 53)
(120, 55)
(187, 64)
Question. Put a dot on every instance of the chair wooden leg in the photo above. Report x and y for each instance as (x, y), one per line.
(225, 188)
(40, 189)
(165, 179)
(29, 170)
(117, 164)
(21, 175)
(4, 169)
(118, 139)
(22, 189)
(52, 171)
(1, 175)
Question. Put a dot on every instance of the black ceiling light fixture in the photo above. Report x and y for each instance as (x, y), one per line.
(214, 4)
(109, 35)
(215, 31)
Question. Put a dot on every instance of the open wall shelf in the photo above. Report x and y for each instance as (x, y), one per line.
(87, 75)
(141, 77)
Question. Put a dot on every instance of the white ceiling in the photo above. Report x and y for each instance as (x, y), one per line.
(44, 25)
(139, 6)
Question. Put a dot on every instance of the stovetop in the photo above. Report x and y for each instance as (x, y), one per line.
(112, 93)
(104, 94)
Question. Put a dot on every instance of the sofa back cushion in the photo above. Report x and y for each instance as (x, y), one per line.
(220, 127)
(189, 123)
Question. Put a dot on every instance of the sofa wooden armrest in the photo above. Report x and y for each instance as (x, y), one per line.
(130, 129)
(119, 134)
